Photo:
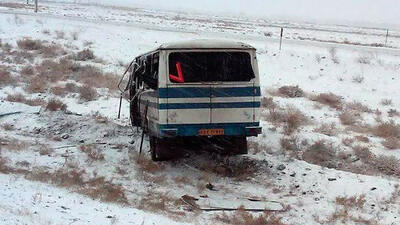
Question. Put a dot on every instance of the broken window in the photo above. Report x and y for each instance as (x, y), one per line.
(191, 67)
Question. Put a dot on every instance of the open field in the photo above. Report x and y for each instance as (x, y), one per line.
(329, 151)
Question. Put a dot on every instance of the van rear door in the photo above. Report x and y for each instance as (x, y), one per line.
(210, 87)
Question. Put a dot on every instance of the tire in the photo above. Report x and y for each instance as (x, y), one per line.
(160, 149)
(154, 148)
(233, 145)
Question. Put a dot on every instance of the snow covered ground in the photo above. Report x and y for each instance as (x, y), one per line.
(79, 166)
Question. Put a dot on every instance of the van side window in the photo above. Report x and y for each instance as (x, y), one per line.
(147, 71)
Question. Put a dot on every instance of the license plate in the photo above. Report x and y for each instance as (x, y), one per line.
(211, 132)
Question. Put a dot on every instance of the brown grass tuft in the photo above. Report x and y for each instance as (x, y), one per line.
(241, 217)
(18, 97)
(321, 153)
(7, 126)
(291, 118)
(87, 93)
(27, 71)
(330, 99)
(294, 119)
(348, 117)
(93, 153)
(84, 55)
(290, 146)
(268, 102)
(36, 85)
(386, 102)
(327, 129)
(391, 143)
(6, 78)
(29, 44)
(386, 130)
(55, 105)
(291, 91)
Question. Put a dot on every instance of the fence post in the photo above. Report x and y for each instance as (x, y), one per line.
(280, 42)
(387, 35)
(36, 6)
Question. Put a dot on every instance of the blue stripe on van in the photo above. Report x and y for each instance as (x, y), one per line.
(193, 129)
(198, 92)
(209, 105)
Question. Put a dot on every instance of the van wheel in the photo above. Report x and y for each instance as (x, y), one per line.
(237, 146)
(160, 149)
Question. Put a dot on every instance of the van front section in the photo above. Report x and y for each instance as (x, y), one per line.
(209, 92)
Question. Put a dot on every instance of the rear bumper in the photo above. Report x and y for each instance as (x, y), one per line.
(230, 129)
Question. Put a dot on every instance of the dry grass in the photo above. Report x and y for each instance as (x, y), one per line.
(53, 71)
(87, 93)
(93, 77)
(161, 203)
(343, 213)
(97, 188)
(328, 129)
(268, 102)
(13, 144)
(52, 51)
(7, 126)
(391, 143)
(6, 78)
(27, 70)
(291, 118)
(100, 118)
(386, 102)
(29, 44)
(348, 117)
(386, 130)
(93, 153)
(358, 79)
(60, 34)
(65, 90)
(358, 107)
(333, 54)
(36, 85)
(290, 145)
(74, 35)
(147, 165)
(373, 165)
(241, 217)
(362, 138)
(84, 55)
(364, 59)
(18, 97)
(321, 153)
(55, 105)
(45, 150)
(288, 92)
(393, 113)
(329, 99)
(294, 119)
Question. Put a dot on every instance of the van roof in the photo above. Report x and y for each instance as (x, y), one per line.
(206, 44)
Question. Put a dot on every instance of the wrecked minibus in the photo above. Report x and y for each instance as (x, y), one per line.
(200, 91)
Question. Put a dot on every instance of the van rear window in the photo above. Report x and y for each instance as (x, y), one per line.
(190, 67)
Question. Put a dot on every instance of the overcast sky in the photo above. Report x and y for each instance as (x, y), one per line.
(361, 12)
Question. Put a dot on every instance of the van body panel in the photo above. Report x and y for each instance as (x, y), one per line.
(183, 109)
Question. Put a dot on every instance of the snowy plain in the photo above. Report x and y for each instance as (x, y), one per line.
(120, 34)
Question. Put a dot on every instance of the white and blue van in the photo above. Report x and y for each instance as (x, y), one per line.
(205, 90)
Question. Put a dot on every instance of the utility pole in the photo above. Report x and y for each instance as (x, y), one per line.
(280, 42)
(387, 35)
(36, 6)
